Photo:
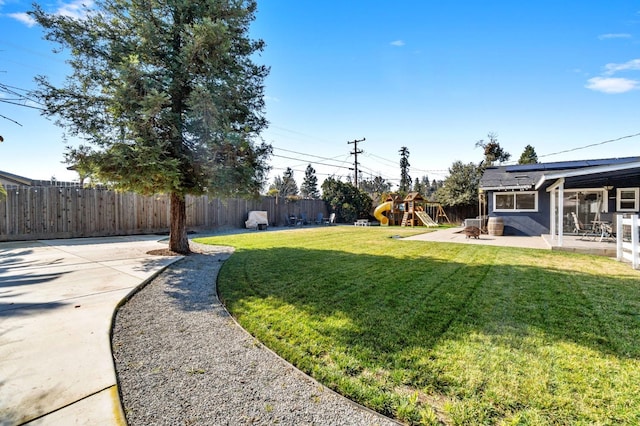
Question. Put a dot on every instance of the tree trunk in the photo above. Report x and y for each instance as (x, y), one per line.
(178, 240)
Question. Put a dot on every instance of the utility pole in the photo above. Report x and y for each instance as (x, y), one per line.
(355, 161)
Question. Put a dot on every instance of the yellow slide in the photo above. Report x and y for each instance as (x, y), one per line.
(386, 206)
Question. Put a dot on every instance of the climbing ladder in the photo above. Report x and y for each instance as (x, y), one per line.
(405, 219)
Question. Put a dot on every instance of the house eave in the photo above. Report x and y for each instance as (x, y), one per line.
(507, 188)
(586, 171)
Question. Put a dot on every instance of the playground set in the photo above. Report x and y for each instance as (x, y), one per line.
(413, 210)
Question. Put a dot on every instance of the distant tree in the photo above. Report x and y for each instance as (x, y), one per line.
(493, 152)
(309, 187)
(432, 189)
(348, 202)
(285, 185)
(460, 188)
(421, 185)
(168, 96)
(405, 178)
(375, 187)
(528, 156)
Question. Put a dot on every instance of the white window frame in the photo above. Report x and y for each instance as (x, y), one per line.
(514, 194)
(636, 199)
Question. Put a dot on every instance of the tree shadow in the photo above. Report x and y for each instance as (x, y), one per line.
(191, 281)
(393, 311)
(24, 272)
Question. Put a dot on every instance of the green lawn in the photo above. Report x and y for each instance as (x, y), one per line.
(450, 333)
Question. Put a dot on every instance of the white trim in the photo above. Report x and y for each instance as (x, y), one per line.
(554, 185)
(507, 188)
(515, 194)
(636, 199)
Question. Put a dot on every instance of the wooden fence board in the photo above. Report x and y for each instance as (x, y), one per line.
(29, 213)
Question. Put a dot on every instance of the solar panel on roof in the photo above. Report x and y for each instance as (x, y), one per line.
(565, 165)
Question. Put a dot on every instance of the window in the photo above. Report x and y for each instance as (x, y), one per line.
(522, 201)
(627, 200)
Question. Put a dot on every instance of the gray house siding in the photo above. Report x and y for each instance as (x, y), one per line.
(525, 223)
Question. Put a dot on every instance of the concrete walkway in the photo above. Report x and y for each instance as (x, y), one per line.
(57, 299)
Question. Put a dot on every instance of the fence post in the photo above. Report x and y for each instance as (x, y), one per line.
(619, 245)
(635, 241)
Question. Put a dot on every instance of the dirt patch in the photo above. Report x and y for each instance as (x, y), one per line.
(163, 252)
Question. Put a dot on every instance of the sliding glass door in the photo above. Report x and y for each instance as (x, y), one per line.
(587, 204)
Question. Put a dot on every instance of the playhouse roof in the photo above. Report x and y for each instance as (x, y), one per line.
(414, 196)
(394, 197)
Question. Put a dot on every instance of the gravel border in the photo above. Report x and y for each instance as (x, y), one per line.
(182, 360)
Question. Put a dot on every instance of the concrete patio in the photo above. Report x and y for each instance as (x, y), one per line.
(570, 243)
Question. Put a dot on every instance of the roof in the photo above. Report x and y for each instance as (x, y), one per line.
(533, 176)
(414, 196)
(11, 180)
(7, 178)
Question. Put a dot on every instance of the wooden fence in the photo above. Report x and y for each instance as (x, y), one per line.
(29, 213)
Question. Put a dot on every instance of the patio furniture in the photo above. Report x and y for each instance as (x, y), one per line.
(604, 228)
(580, 229)
(257, 220)
(291, 220)
(320, 219)
(330, 220)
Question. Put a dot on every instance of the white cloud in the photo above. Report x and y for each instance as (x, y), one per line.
(75, 9)
(633, 64)
(612, 85)
(24, 18)
(397, 43)
(613, 35)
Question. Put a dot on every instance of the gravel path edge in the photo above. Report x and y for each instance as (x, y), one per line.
(181, 358)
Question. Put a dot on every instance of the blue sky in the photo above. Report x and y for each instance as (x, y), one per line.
(432, 76)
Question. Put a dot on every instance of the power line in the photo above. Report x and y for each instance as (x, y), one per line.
(312, 162)
(308, 155)
(591, 145)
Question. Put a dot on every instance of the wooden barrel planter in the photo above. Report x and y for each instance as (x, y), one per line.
(495, 226)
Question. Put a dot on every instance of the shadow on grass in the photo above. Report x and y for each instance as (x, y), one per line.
(389, 304)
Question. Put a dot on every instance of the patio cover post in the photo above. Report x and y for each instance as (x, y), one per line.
(557, 188)
(552, 219)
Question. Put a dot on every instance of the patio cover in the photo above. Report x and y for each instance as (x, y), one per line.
(594, 173)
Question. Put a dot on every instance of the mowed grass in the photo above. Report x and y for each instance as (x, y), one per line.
(434, 333)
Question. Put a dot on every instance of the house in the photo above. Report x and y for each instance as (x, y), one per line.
(536, 199)
(10, 180)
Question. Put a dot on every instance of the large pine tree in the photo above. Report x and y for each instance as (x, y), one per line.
(405, 178)
(167, 96)
(309, 187)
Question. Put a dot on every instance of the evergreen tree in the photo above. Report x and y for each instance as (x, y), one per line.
(309, 187)
(421, 185)
(405, 178)
(166, 94)
(375, 187)
(289, 187)
(528, 156)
